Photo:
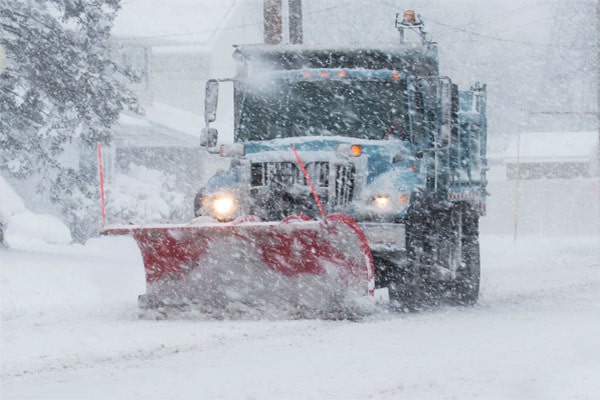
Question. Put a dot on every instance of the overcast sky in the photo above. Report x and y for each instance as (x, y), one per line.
(533, 54)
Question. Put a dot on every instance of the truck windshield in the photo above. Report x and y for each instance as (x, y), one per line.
(366, 109)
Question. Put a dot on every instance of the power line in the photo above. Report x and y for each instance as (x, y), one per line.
(256, 25)
(511, 13)
(490, 37)
(552, 18)
(322, 10)
(481, 35)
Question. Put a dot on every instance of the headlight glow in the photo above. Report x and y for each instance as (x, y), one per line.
(222, 206)
(388, 202)
(381, 201)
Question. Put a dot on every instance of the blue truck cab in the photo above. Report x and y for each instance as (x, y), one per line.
(382, 136)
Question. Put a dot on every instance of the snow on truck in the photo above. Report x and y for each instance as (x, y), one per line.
(351, 169)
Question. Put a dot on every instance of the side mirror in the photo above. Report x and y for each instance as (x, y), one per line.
(208, 137)
(211, 100)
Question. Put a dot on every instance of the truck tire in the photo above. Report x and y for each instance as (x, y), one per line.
(465, 290)
(407, 288)
(450, 239)
(406, 292)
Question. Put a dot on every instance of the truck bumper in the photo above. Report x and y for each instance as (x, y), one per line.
(385, 237)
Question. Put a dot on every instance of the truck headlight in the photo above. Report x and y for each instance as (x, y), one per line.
(221, 206)
(390, 202)
(381, 201)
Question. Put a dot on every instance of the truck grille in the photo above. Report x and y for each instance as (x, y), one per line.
(288, 173)
(283, 175)
(344, 184)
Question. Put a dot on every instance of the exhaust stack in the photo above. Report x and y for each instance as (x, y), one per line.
(273, 21)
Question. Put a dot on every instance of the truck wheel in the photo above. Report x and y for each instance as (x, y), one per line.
(465, 290)
(406, 292)
(407, 288)
(389, 275)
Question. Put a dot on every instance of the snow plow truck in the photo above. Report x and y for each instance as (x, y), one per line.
(351, 169)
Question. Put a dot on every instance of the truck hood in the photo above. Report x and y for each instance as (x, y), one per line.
(381, 155)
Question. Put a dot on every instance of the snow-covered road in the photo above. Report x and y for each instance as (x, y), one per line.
(70, 330)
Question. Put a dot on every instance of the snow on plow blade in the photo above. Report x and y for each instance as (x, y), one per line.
(297, 265)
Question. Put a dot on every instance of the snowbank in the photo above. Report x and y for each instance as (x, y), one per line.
(70, 323)
(29, 231)
(10, 202)
(145, 195)
(25, 230)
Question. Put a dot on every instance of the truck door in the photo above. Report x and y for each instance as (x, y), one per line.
(472, 134)
(445, 165)
(218, 113)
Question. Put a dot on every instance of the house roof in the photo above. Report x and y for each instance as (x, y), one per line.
(553, 147)
(173, 22)
(162, 126)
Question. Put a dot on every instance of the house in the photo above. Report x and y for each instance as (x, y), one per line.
(178, 44)
(169, 146)
(175, 47)
(552, 155)
(558, 190)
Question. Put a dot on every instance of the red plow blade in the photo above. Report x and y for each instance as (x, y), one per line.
(318, 266)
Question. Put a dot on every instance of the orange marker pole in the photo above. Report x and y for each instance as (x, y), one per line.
(101, 177)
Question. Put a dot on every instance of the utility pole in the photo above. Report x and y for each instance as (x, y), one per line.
(273, 27)
(273, 21)
(296, 31)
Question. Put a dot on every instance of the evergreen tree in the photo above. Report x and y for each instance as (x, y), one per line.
(60, 87)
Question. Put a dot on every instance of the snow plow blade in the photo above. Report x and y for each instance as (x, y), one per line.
(295, 265)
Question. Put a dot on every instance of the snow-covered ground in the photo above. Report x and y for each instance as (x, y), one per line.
(70, 329)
